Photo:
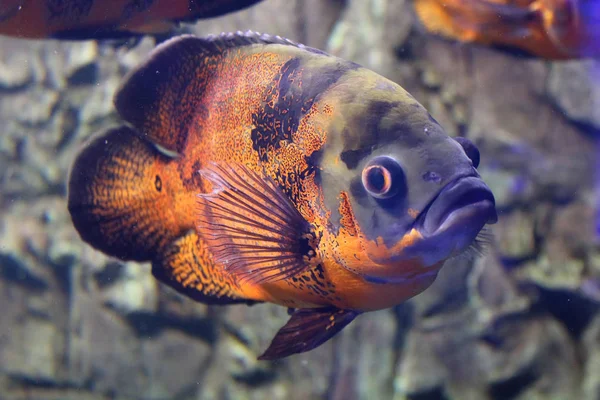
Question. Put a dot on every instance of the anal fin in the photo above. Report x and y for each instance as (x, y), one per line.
(186, 267)
(307, 329)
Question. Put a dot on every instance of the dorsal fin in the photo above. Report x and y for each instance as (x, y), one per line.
(161, 96)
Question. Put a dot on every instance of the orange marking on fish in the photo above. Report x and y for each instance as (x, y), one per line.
(413, 213)
(347, 221)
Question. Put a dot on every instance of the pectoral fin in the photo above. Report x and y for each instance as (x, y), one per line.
(307, 329)
(251, 227)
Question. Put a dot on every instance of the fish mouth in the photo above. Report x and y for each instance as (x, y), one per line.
(465, 201)
(453, 219)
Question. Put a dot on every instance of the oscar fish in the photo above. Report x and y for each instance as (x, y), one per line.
(549, 29)
(254, 169)
(106, 19)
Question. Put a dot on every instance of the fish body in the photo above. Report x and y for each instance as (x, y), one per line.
(254, 169)
(106, 19)
(549, 29)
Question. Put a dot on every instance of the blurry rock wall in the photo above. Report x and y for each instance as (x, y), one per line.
(521, 322)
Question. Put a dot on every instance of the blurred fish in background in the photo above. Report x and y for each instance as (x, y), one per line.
(112, 19)
(550, 29)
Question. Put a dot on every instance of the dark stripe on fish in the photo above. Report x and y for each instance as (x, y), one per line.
(275, 121)
(72, 10)
(287, 100)
(352, 157)
(97, 32)
(356, 148)
(210, 9)
(136, 6)
(11, 12)
(285, 104)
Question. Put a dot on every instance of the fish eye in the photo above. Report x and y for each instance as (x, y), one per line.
(470, 149)
(382, 177)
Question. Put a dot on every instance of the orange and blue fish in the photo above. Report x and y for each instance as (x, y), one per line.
(105, 19)
(253, 169)
(549, 29)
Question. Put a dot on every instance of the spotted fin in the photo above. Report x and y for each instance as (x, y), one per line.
(117, 199)
(186, 267)
(251, 227)
(163, 96)
(307, 328)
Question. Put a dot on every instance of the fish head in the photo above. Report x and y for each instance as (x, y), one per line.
(409, 194)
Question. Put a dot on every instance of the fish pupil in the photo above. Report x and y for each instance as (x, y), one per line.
(376, 180)
(382, 178)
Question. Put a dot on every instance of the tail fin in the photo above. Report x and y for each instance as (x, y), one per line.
(121, 200)
(117, 196)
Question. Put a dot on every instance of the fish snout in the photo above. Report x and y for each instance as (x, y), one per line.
(452, 221)
(464, 203)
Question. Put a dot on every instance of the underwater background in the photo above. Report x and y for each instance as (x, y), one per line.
(521, 322)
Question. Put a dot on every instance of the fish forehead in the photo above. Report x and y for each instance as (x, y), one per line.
(375, 111)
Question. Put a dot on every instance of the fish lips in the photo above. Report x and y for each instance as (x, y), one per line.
(465, 201)
(453, 219)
